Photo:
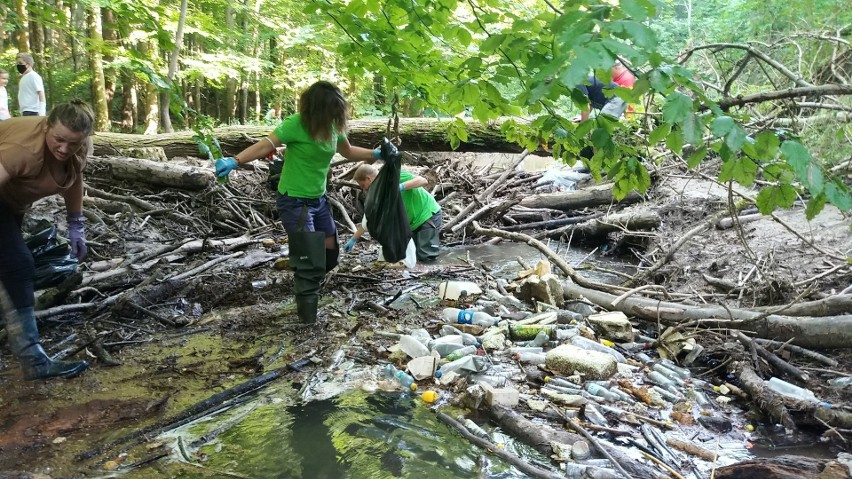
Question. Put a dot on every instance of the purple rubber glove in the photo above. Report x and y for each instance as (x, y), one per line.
(77, 235)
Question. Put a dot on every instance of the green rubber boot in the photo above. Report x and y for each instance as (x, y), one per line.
(24, 343)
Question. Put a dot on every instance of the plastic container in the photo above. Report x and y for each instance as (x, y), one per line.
(594, 416)
(530, 358)
(412, 347)
(467, 316)
(462, 352)
(600, 391)
(474, 364)
(790, 390)
(473, 427)
(840, 383)
(540, 339)
(584, 343)
(526, 349)
(662, 381)
(565, 389)
(668, 373)
(445, 349)
(682, 372)
(560, 382)
(455, 289)
(429, 396)
(467, 338)
(390, 372)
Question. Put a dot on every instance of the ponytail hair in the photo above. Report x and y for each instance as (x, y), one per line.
(324, 111)
(74, 115)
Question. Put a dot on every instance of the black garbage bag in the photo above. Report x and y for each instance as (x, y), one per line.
(274, 176)
(53, 260)
(386, 217)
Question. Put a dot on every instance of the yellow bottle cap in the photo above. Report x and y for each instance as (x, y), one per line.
(429, 396)
(413, 386)
(607, 343)
(547, 379)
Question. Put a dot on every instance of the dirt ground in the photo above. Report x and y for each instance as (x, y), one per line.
(243, 330)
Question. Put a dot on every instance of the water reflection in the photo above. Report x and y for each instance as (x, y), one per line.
(355, 435)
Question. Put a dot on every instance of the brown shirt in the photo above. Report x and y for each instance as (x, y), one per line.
(33, 172)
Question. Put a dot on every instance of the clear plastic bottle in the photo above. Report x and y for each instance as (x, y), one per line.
(405, 380)
(468, 363)
(530, 358)
(560, 382)
(467, 316)
(539, 340)
(473, 427)
(840, 383)
(412, 347)
(668, 373)
(662, 381)
(790, 390)
(594, 416)
(444, 349)
(566, 333)
(601, 391)
(460, 353)
(565, 389)
(584, 343)
(526, 349)
(467, 339)
(682, 372)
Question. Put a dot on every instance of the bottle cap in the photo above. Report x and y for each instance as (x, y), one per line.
(413, 386)
(547, 379)
(429, 396)
(439, 373)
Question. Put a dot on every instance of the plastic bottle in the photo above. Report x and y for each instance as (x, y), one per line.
(790, 390)
(526, 349)
(560, 382)
(467, 316)
(405, 380)
(840, 383)
(668, 373)
(682, 372)
(460, 353)
(473, 427)
(469, 363)
(594, 416)
(530, 358)
(662, 381)
(623, 396)
(447, 330)
(540, 339)
(667, 395)
(565, 389)
(444, 349)
(584, 343)
(699, 397)
(412, 347)
(598, 390)
(566, 333)
(526, 332)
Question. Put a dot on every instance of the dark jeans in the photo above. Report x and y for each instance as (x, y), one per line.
(427, 239)
(318, 218)
(16, 261)
(29, 113)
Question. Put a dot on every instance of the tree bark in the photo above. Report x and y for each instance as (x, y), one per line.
(152, 103)
(642, 220)
(809, 332)
(231, 81)
(574, 200)
(22, 34)
(155, 172)
(418, 134)
(165, 95)
(110, 39)
(96, 63)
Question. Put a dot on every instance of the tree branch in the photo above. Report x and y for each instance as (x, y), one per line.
(757, 53)
(820, 90)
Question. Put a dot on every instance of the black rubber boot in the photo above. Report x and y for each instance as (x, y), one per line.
(306, 308)
(24, 343)
(331, 258)
(308, 261)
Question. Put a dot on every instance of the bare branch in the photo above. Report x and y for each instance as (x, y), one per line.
(755, 52)
(820, 90)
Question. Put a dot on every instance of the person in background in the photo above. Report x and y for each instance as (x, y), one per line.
(594, 90)
(621, 76)
(31, 98)
(424, 213)
(4, 96)
(312, 137)
(39, 157)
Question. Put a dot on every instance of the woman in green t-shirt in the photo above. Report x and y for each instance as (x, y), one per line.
(312, 136)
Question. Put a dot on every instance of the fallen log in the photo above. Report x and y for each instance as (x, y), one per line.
(830, 306)
(597, 195)
(155, 173)
(621, 222)
(416, 134)
(780, 467)
(550, 224)
(809, 332)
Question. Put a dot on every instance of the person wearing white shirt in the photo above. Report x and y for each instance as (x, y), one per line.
(31, 88)
(4, 97)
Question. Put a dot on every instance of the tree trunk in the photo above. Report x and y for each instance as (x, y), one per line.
(809, 332)
(165, 95)
(231, 82)
(129, 107)
(417, 134)
(22, 34)
(152, 104)
(37, 41)
(574, 200)
(110, 36)
(155, 173)
(99, 101)
(627, 222)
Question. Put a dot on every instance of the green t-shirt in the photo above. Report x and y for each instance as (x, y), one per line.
(419, 204)
(306, 161)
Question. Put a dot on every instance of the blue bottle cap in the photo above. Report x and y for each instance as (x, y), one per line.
(439, 373)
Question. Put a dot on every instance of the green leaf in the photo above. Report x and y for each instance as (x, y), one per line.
(735, 138)
(815, 179)
(674, 141)
(797, 156)
(635, 9)
(814, 206)
(697, 157)
(766, 145)
(601, 138)
(659, 133)
(742, 170)
(720, 126)
(838, 194)
(678, 107)
(693, 129)
(772, 197)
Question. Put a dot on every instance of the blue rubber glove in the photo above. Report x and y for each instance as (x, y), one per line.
(224, 166)
(347, 248)
(401, 187)
(377, 153)
(77, 235)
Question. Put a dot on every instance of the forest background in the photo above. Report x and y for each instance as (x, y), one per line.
(763, 85)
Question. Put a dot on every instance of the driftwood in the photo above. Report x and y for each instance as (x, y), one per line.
(810, 332)
(619, 222)
(598, 195)
(417, 134)
(155, 172)
(780, 467)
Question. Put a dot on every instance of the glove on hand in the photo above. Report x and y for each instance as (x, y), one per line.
(224, 166)
(347, 248)
(401, 187)
(77, 235)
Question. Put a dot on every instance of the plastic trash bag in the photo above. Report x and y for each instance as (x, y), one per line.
(384, 209)
(52, 258)
(410, 260)
(560, 179)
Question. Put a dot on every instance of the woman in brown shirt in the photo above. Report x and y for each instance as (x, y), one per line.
(39, 157)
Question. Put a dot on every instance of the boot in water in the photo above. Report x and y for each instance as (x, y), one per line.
(24, 343)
